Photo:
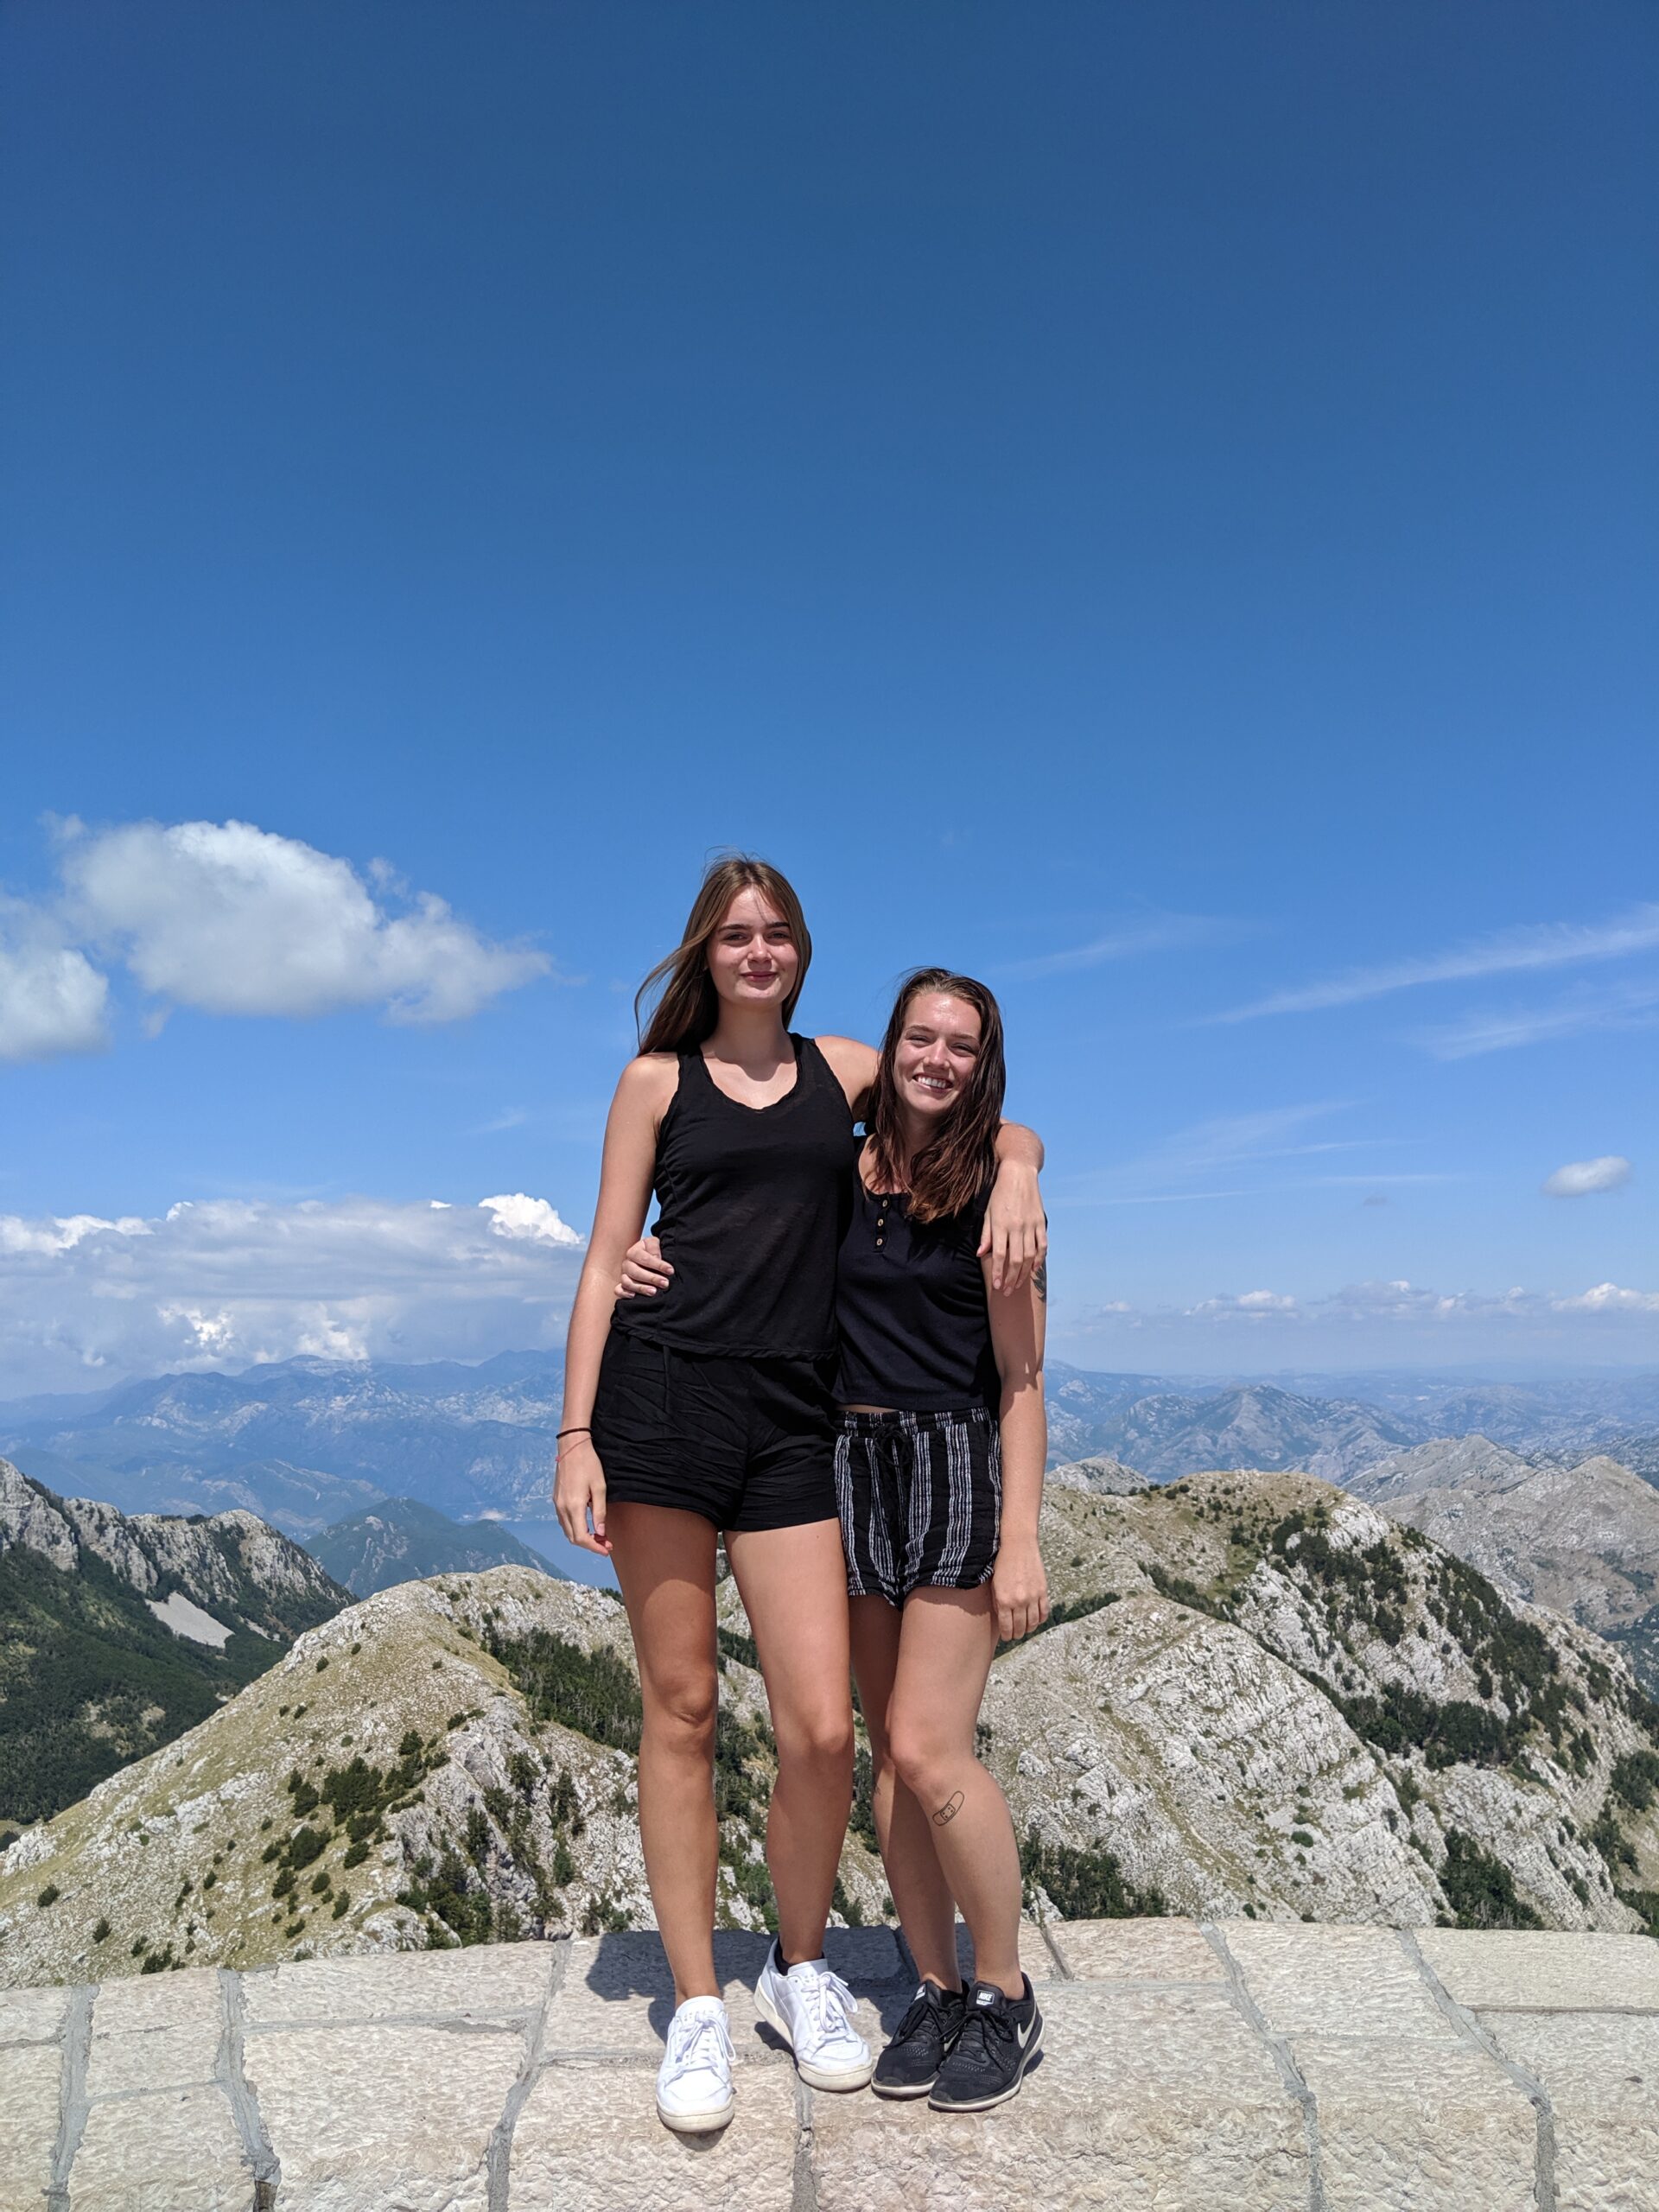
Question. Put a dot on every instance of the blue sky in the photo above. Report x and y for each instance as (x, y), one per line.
(1154, 507)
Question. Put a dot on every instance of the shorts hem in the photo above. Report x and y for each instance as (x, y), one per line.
(857, 1589)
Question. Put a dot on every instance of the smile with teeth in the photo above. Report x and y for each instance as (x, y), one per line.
(938, 1083)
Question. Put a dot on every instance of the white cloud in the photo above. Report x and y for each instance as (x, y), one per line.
(1608, 1298)
(53, 1000)
(1149, 933)
(1512, 951)
(230, 918)
(531, 1220)
(1579, 1178)
(1248, 1305)
(1397, 1308)
(230, 1283)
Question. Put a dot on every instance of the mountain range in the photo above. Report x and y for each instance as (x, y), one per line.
(399, 1540)
(306, 1442)
(117, 1634)
(1257, 1695)
(1582, 1539)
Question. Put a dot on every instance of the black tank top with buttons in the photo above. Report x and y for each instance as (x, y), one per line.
(753, 1201)
(910, 1305)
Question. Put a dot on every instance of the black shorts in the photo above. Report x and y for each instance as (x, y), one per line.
(747, 1443)
(920, 1498)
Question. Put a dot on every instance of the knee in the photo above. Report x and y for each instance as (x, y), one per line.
(680, 1716)
(920, 1761)
(823, 1740)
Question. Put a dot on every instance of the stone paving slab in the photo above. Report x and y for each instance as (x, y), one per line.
(1036, 1960)
(32, 2015)
(174, 2152)
(621, 2159)
(166, 2058)
(1601, 2076)
(1136, 1950)
(187, 1997)
(1406, 2124)
(1334, 1981)
(382, 2114)
(1499, 1970)
(490, 1981)
(29, 2123)
(1166, 2099)
(618, 1996)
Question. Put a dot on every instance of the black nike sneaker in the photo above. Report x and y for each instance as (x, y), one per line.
(1000, 2037)
(921, 2042)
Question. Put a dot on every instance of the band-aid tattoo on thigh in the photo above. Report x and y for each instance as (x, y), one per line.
(947, 1813)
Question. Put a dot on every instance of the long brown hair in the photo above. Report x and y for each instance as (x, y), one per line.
(955, 1166)
(684, 1005)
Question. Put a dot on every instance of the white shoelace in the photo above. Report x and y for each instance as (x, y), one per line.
(686, 2038)
(829, 2007)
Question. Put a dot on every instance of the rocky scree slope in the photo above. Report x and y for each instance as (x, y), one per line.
(117, 1633)
(1262, 1696)
(449, 1761)
(1581, 1538)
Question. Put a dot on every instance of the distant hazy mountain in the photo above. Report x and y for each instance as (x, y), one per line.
(399, 1540)
(305, 1442)
(1584, 1540)
(308, 1442)
(1170, 1434)
(117, 1634)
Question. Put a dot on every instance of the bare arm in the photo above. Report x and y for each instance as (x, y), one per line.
(1020, 1583)
(642, 1098)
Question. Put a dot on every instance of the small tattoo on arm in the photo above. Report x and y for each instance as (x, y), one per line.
(947, 1813)
(1039, 1280)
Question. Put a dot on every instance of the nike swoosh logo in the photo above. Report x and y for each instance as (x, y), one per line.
(1022, 2036)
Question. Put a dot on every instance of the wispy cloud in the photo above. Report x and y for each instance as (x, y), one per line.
(510, 1117)
(1205, 1150)
(1635, 1006)
(1153, 933)
(1504, 953)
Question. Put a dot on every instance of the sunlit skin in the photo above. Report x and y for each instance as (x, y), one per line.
(792, 1581)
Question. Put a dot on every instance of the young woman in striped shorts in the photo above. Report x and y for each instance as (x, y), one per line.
(939, 1478)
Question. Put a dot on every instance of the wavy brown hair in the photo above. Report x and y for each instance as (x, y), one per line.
(958, 1164)
(680, 991)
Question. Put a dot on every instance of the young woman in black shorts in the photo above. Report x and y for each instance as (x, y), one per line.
(708, 1410)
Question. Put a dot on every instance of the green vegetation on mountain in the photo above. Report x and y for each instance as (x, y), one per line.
(90, 1679)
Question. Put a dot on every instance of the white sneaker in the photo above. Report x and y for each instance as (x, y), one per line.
(812, 2010)
(695, 2095)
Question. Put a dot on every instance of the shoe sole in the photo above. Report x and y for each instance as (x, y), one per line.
(989, 2103)
(815, 2077)
(699, 2123)
(911, 2090)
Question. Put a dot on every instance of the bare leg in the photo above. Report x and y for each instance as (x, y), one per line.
(944, 1655)
(665, 1563)
(793, 1583)
(927, 1911)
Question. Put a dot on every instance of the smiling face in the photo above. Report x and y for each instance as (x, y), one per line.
(935, 1055)
(752, 957)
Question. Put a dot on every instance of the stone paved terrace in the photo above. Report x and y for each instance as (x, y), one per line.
(1187, 2068)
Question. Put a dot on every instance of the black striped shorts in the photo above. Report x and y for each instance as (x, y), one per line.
(920, 1500)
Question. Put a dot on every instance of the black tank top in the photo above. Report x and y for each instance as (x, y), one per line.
(910, 1306)
(753, 1201)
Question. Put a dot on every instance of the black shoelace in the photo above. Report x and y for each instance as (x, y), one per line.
(985, 2023)
(915, 2018)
